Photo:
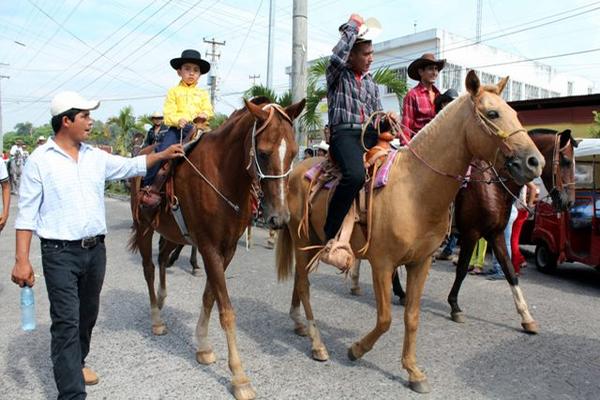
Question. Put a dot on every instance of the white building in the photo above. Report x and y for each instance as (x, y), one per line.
(528, 79)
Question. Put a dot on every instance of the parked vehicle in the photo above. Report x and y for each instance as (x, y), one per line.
(574, 235)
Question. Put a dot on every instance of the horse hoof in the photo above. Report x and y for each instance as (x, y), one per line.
(320, 354)
(244, 391)
(196, 272)
(159, 330)
(206, 357)
(458, 317)
(356, 291)
(420, 386)
(300, 331)
(530, 327)
(352, 350)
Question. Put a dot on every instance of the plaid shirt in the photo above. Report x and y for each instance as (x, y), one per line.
(417, 109)
(351, 98)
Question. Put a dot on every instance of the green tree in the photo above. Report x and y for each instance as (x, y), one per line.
(44, 130)
(122, 127)
(259, 90)
(23, 128)
(217, 120)
(595, 128)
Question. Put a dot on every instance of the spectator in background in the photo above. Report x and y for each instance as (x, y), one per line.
(527, 198)
(322, 149)
(157, 130)
(308, 153)
(41, 140)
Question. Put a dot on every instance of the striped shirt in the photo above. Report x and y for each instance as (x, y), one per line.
(63, 199)
(417, 109)
(351, 98)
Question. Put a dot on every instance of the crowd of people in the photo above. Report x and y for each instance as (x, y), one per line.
(68, 216)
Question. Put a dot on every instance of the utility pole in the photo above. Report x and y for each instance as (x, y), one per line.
(1, 131)
(212, 78)
(478, 21)
(271, 40)
(299, 39)
(254, 78)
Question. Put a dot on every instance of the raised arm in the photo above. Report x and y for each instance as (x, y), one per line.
(341, 51)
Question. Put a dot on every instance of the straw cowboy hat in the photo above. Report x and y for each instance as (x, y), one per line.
(156, 114)
(191, 56)
(368, 31)
(425, 60)
(41, 139)
(322, 146)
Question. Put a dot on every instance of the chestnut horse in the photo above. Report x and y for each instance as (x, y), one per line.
(482, 209)
(410, 215)
(250, 154)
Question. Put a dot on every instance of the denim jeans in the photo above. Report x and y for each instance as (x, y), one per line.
(74, 278)
(172, 136)
(496, 268)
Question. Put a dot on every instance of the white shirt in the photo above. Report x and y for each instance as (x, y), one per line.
(3, 171)
(15, 149)
(63, 199)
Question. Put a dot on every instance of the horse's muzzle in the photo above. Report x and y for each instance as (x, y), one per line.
(278, 220)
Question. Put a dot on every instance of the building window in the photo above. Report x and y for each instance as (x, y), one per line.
(590, 90)
(507, 91)
(401, 73)
(516, 91)
(452, 77)
(569, 88)
(531, 92)
(488, 79)
(544, 94)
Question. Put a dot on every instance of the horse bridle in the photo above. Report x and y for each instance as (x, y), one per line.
(260, 175)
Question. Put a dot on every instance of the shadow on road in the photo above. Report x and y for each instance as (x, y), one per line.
(547, 366)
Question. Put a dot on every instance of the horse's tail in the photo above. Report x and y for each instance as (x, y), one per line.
(132, 244)
(284, 254)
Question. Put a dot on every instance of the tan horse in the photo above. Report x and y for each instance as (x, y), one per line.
(411, 213)
(253, 151)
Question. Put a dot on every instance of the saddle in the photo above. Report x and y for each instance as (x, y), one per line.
(338, 251)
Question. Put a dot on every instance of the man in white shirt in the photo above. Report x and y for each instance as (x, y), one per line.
(61, 200)
(5, 184)
(17, 148)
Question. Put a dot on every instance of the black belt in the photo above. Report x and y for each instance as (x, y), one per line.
(86, 243)
(350, 126)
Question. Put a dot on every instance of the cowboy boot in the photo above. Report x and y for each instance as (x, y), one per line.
(150, 196)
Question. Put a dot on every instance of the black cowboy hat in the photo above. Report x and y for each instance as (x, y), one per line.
(446, 97)
(191, 56)
(425, 60)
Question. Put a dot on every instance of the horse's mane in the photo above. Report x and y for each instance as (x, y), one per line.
(236, 115)
(542, 131)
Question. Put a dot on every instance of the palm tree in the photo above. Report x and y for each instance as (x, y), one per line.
(311, 119)
(262, 91)
(123, 127)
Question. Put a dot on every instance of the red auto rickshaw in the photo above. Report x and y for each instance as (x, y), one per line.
(572, 236)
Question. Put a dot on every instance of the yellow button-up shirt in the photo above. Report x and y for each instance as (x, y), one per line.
(187, 102)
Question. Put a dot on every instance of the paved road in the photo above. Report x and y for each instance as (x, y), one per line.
(486, 358)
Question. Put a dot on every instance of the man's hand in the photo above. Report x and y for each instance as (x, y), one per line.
(22, 274)
(182, 123)
(3, 219)
(393, 116)
(357, 18)
(173, 151)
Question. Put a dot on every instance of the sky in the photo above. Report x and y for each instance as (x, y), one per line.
(118, 51)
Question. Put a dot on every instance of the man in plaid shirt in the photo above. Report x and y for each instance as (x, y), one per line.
(352, 96)
(418, 107)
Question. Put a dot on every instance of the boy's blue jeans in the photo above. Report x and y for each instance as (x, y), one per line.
(172, 136)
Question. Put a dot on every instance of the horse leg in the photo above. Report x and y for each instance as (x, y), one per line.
(397, 287)
(196, 271)
(415, 282)
(295, 315)
(205, 354)
(527, 322)
(382, 282)
(355, 276)
(145, 248)
(174, 256)
(302, 285)
(464, 257)
(164, 250)
(215, 265)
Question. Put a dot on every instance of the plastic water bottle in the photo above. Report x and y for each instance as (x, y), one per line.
(27, 309)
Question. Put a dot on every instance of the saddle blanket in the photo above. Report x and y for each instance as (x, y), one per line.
(381, 179)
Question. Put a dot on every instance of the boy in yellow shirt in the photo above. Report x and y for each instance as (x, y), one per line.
(185, 104)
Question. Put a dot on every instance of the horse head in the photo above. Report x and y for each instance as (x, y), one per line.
(558, 176)
(272, 150)
(497, 136)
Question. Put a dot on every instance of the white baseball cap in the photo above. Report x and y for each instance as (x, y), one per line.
(64, 101)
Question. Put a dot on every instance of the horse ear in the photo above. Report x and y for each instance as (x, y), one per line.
(472, 83)
(257, 111)
(565, 138)
(295, 109)
(501, 85)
